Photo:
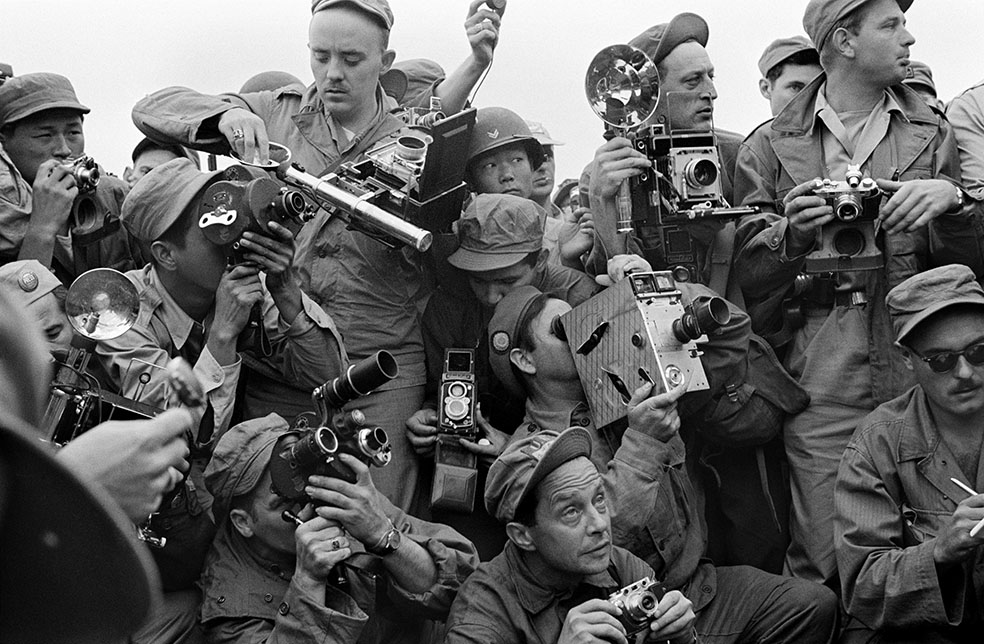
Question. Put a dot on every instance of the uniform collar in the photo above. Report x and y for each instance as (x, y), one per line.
(153, 294)
(918, 437)
(535, 596)
(560, 419)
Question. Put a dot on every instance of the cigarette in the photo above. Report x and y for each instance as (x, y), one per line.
(289, 516)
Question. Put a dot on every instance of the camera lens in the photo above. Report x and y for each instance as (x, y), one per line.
(703, 315)
(640, 606)
(86, 214)
(456, 408)
(701, 173)
(847, 207)
(289, 204)
(360, 379)
(457, 389)
(411, 148)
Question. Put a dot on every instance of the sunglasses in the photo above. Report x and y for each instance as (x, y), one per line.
(947, 360)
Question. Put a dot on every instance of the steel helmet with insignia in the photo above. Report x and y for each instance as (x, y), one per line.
(496, 127)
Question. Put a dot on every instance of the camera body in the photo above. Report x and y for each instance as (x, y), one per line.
(90, 221)
(247, 199)
(681, 187)
(455, 468)
(416, 175)
(638, 604)
(321, 435)
(639, 331)
(849, 242)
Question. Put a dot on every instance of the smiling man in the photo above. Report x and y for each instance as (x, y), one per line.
(856, 113)
(910, 561)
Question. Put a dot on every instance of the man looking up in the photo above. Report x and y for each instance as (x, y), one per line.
(552, 581)
(904, 529)
(41, 130)
(855, 113)
(787, 66)
(373, 292)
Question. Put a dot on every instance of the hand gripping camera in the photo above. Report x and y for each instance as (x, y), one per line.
(638, 604)
(849, 242)
(331, 431)
(682, 185)
(248, 199)
(638, 331)
(90, 222)
(455, 468)
(407, 187)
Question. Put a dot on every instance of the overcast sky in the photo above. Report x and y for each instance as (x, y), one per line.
(116, 51)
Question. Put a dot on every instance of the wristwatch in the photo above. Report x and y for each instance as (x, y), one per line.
(388, 543)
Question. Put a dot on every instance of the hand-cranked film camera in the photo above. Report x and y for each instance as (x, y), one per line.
(247, 199)
(638, 604)
(635, 332)
(455, 468)
(330, 431)
(407, 187)
(848, 243)
(682, 186)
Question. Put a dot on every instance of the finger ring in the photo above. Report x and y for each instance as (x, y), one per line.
(238, 133)
(334, 544)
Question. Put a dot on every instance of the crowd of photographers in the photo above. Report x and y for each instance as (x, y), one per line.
(720, 388)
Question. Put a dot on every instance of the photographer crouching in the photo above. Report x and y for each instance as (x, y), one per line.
(348, 567)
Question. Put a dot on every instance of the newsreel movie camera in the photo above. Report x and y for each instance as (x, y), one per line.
(638, 332)
(682, 186)
(406, 189)
(330, 431)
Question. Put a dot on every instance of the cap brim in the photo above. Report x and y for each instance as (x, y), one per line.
(920, 317)
(63, 105)
(572, 443)
(469, 260)
(65, 543)
(681, 28)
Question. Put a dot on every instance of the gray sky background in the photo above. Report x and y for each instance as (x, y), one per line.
(116, 51)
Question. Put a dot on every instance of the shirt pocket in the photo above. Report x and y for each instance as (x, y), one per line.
(921, 525)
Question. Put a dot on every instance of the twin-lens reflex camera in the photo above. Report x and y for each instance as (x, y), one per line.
(637, 332)
(455, 468)
(681, 189)
(849, 242)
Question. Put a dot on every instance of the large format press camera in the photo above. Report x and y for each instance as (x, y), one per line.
(406, 189)
(638, 332)
(682, 187)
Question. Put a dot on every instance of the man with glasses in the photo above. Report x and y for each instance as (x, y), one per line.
(909, 525)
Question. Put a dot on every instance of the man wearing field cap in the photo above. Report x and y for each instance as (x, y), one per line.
(499, 250)
(787, 65)
(855, 113)
(908, 522)
(373, 291)
(38, 292)
(40, 206)
(552, 581)
(919, 78)
(351, 567)
(655, 507)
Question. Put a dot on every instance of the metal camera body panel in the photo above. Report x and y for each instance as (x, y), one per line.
(329, 431)
(849, 242)
(455, 480)
(248, 199)
(625, 337)
(637, 603)
(91, 221)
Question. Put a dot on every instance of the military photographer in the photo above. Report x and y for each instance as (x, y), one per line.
(655, 511)
(350, 566)
(560, 578)
(857, 113)
(43, 216)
